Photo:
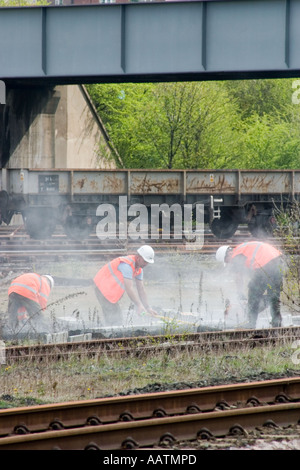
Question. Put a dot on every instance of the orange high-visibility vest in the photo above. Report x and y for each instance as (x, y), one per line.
(257, 254)
(33, 287)
(110, 281)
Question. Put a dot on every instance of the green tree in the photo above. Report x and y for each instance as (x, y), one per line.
(261, 96)
(121, 108)
(269, 124)
(167, 125)
(268, 142)
(190, 124)
(231, 124)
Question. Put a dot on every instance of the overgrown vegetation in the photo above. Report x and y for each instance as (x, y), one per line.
(29, 382)
(288, 230)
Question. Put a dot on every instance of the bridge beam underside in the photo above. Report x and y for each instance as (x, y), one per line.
(199, 40)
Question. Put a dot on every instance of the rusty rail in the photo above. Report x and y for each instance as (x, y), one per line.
(152, 419)
(138, 346)
(18, 246)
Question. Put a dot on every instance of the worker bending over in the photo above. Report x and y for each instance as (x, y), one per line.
(117, 277)
(27, 296)
(264, 264)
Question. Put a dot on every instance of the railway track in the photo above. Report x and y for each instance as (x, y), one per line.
(145, 345)
(16, 245)
(153, 420)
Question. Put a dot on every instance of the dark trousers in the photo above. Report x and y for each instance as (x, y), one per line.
(268, 279)
(17, 305)
(111, 312)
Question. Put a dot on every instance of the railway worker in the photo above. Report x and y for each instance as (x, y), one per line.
(27, 296)
(117, 277)
(263, 265)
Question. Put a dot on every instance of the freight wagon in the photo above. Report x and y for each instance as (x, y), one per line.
(70, 198)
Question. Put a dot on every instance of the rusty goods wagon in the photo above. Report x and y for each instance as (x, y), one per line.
(70, 198)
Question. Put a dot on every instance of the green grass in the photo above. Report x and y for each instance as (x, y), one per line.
(30, 382)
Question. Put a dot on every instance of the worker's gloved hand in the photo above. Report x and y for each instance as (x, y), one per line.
(141, 311)
(152, 312)
(142, 314)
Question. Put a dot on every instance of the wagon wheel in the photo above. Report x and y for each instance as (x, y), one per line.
(40, 222)
(77, 228)
(262, 226)
(225, 227)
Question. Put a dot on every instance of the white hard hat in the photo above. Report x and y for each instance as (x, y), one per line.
(221, 253)
(147, 253)
(50, 278)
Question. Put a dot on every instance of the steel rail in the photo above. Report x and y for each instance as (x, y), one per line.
(137, 346)
(63, 354)
(155, 431)
(14, 256)
(20, 245)
(41, 418)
